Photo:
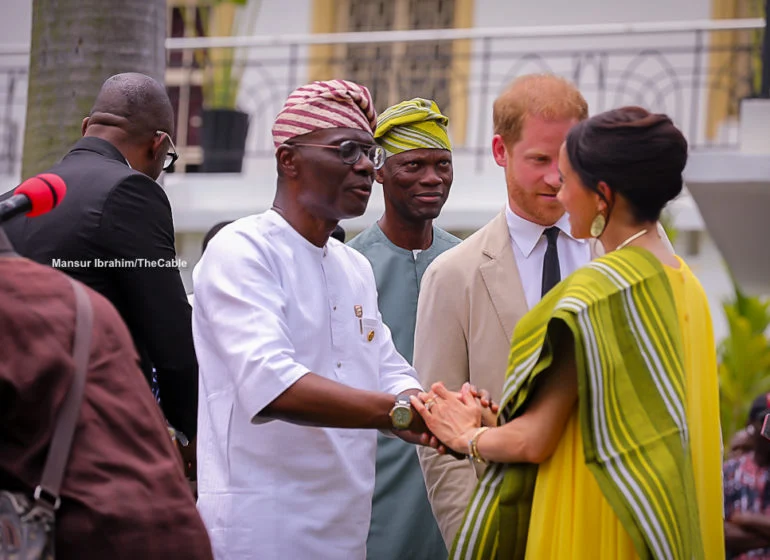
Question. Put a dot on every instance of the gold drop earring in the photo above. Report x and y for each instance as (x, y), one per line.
(598, 224)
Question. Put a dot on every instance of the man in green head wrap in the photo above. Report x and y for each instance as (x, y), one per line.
(415, 179)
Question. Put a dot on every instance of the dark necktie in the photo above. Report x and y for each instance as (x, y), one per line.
(551, 272)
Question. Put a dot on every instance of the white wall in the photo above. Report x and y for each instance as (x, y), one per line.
(501, 13)
(268, 79)
(16, 23)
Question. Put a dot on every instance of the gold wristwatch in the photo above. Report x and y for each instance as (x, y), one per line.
(401, 414)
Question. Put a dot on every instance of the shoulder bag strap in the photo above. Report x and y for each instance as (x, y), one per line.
(56, 462)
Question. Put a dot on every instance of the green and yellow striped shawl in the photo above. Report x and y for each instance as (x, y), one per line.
(628, 349)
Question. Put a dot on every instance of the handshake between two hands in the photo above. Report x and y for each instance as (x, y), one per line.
(447, 419)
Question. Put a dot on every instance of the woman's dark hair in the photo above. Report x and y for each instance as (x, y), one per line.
(212, 232)
(640, 155)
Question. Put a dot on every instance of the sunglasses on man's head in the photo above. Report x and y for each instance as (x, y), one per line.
(350, 151)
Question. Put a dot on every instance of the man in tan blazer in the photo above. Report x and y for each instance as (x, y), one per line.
(473, 295)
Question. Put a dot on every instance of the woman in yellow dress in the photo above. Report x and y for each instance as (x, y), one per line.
(607, 445)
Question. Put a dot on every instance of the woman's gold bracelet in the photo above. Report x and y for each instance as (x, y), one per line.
(473, 446)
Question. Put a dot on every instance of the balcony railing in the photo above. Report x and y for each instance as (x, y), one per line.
(697, 72)
(14, 60)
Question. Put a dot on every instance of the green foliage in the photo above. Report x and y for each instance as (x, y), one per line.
(744, 356)
(222, 74)
(756, 8)
(221, 82)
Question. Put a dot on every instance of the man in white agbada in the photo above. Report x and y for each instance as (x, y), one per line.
(296, 367)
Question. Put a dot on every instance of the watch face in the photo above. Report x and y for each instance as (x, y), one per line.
(402, 417)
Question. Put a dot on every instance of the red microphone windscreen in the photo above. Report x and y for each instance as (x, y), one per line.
(45, 191)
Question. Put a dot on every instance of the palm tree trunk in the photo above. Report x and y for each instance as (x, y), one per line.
(76, 45)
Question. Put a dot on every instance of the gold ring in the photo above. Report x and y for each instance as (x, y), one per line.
(429, 403)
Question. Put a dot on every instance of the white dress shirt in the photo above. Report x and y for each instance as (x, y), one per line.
(270, 307)
(529, 244)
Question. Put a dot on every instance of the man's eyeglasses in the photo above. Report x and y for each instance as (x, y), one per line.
(171, 156)
(350, 151)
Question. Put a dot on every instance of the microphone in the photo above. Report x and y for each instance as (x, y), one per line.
(37, 195)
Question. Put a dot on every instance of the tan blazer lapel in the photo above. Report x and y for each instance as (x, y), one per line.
(501, 277)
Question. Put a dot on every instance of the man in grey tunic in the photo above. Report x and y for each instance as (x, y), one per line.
(416, 179)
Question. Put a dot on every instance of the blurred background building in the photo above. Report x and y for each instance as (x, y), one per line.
(679, 57)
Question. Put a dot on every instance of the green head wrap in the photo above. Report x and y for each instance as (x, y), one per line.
(410, 125)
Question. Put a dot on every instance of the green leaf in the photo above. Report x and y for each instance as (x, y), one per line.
(744, 360)
(222, 73)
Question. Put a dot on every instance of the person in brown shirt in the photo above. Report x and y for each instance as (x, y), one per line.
(124, 494)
